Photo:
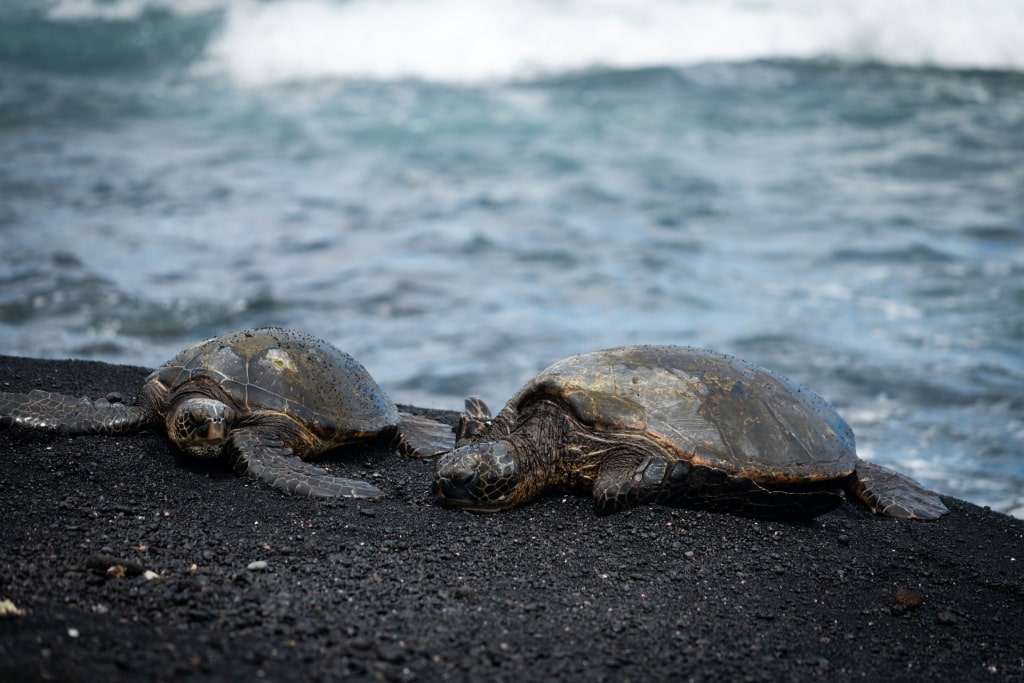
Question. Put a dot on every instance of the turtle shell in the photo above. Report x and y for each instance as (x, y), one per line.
(271, 369)
(708, 408)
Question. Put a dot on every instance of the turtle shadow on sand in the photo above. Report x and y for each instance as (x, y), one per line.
(266, 399)
(672, 425)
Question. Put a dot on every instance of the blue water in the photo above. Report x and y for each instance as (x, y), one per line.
(461, 193)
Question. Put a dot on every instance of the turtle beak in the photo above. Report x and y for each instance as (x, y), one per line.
(480, 477)
(217, 430)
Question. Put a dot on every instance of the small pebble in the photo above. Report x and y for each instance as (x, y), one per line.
(389, 653)
(908, 598)
(257, 566)
(8, 608)
(114, 567)
(360, 643)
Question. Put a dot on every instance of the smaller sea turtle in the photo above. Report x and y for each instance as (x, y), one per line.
(672, 425)
(268, 399)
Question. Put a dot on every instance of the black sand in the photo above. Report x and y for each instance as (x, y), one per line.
(253, 583)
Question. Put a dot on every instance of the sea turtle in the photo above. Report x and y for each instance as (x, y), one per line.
(672, 425)
(267, 399)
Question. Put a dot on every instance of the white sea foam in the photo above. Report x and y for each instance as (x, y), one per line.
(124, 10)
(468, 40)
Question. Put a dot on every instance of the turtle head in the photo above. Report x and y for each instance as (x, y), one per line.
(200, 426)
(483, 477)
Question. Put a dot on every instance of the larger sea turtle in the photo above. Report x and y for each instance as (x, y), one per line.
(673, 425)
(267, 398)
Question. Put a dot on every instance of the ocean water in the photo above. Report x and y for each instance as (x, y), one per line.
(461, 193)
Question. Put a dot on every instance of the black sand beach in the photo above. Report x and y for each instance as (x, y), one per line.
(253, 584)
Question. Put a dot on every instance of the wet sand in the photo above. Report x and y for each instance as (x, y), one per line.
(252, 583)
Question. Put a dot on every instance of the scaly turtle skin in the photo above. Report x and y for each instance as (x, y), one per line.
(672, 425)
(267, 399)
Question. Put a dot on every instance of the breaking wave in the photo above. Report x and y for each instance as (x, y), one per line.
(468, 41)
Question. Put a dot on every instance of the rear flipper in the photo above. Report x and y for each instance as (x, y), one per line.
(893, 494)
(421, 437)
(261, 457)
(71, 414)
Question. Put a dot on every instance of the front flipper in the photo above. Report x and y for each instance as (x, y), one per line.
(421, 437)
(474, 421)
(71, 414)
(630, 480)
(262, 457)
(627, 482)
(893, 494)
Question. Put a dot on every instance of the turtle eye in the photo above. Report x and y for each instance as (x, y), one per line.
(464, 478)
